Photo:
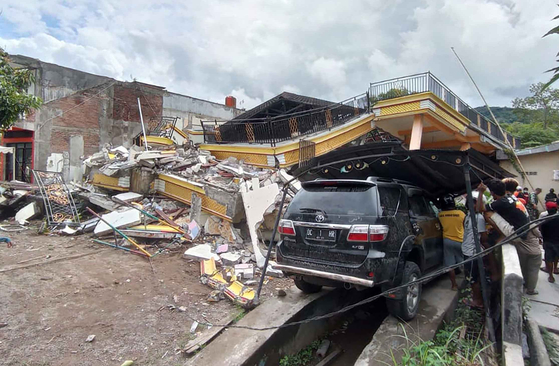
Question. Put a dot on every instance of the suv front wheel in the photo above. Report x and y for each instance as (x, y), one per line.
(406, 307)
(308, 288)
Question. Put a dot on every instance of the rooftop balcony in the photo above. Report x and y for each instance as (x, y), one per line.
(429, 83)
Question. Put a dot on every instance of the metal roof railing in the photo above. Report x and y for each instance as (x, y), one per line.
(427, 82)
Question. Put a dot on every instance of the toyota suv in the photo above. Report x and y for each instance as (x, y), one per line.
(359, 234)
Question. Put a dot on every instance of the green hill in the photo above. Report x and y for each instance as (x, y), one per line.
(508, 115)
(525, 124)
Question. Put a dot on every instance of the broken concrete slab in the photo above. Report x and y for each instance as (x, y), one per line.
(230, 259)
(103, 202)
(256, 202)
(129, 197)
(27, 213)
(245, 271)
(118, 219)
(200, 252)
(211, 227)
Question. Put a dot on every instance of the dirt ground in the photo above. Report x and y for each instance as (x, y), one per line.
(56, 291)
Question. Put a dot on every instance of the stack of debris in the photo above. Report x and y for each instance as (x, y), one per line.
(157, 201)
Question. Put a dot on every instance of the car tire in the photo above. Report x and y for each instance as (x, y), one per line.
(306, 287)
(406, 308)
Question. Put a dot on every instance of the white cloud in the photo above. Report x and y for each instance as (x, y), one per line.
(322, 48)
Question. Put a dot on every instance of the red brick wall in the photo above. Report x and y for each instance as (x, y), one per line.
(126, 102)
(83, 120)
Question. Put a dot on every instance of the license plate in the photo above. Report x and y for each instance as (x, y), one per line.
(320, 234)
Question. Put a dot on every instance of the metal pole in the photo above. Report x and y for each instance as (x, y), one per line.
(473, 219)
(278, 217)
(143, 126)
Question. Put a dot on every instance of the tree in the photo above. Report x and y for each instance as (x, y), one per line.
(555, 70)
(542, 105)
(14, 100)
(390, 94)
(531, 135)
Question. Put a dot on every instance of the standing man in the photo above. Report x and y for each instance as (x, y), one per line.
(551, 196)
(550, 233)
(508, 219)
(452, 221)
(469, 249)
(533, 204)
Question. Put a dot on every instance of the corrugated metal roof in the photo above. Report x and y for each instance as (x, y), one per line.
(283, 96)
(534, 150)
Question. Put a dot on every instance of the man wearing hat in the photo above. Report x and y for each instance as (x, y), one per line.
(550, 233)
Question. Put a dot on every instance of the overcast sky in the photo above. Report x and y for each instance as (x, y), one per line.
(257, 49)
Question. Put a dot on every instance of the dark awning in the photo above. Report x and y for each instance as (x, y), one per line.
(437, 171)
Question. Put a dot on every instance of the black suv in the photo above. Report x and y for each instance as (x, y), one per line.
(361, 233)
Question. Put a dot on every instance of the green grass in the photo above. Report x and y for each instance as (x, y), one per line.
(459, 342)
(303, 357)
(551, 346)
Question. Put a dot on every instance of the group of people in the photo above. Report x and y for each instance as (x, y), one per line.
(512, 208)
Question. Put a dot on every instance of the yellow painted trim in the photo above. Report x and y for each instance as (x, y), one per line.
(157, 140)
(425, 96)
(180, 182)
(180, 132)
(326, 142)
(284, 148)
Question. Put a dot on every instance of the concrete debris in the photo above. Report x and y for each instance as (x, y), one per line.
(323, 348)
(129, 197)
(90, 338)
(256, 201)
(245, 271)
(272, 271)
(118, 219)
(201, 252)
(26, 213)
(193, 327)
(230, 259)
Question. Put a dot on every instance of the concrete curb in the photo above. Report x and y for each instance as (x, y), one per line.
(437, 305)
(511, 307)
(538, 351)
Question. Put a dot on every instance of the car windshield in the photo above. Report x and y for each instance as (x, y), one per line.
(335, 200)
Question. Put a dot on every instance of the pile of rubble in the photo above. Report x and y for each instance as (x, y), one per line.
(219, 212)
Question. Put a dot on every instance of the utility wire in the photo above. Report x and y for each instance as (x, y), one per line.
(515, 235)
(523, 171)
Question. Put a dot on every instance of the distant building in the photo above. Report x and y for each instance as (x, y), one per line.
(82, 112)
(541, 165)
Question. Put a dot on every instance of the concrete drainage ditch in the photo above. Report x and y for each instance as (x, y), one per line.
(364, 334)
(349, 332)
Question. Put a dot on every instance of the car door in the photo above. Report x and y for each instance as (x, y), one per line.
(426, 226)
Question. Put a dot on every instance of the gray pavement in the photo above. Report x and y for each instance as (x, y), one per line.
(544, 307)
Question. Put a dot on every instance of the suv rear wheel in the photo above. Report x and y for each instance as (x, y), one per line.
(306, 287)
(406, 307)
